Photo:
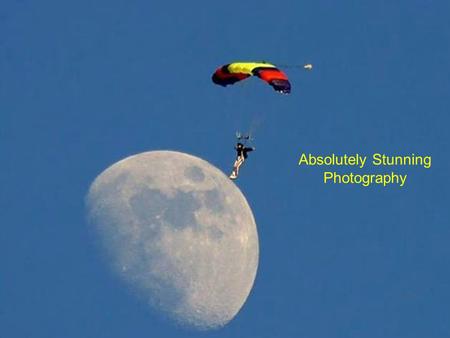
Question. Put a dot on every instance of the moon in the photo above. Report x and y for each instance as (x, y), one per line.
(179, 232)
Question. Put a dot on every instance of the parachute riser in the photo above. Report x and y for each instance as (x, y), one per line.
(245, 139)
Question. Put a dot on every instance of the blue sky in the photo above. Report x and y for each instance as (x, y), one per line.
(84, 84)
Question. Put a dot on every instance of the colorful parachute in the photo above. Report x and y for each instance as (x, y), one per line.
(237, 71)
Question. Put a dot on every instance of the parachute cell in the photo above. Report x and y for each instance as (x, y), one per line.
(238, 71)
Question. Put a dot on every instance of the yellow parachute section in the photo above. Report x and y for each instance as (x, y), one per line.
(247, 67)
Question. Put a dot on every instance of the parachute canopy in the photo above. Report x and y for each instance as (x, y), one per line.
(237, 71)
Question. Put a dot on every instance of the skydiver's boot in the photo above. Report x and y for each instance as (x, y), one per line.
(233, 175)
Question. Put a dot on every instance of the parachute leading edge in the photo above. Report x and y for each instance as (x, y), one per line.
(238, 71)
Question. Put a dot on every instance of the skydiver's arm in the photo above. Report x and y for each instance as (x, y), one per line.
(249, 149)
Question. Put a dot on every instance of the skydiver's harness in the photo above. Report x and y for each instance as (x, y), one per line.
(241, 154)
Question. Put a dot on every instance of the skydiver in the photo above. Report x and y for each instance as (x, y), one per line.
(241, 156)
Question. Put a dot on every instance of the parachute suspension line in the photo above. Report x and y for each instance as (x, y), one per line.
(227, 108)
(256, 122)
(242, 102)
(247, 136)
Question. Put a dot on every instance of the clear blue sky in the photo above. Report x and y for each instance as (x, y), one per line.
(86, 83)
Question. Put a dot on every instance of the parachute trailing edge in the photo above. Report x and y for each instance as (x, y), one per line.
(238, 71)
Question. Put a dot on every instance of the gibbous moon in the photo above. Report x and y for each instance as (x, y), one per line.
(177, 230)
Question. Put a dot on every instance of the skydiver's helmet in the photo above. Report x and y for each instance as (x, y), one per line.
(240, 145)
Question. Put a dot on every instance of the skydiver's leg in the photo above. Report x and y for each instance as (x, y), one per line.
(239, 162)
(235, 171)
(234, 174)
